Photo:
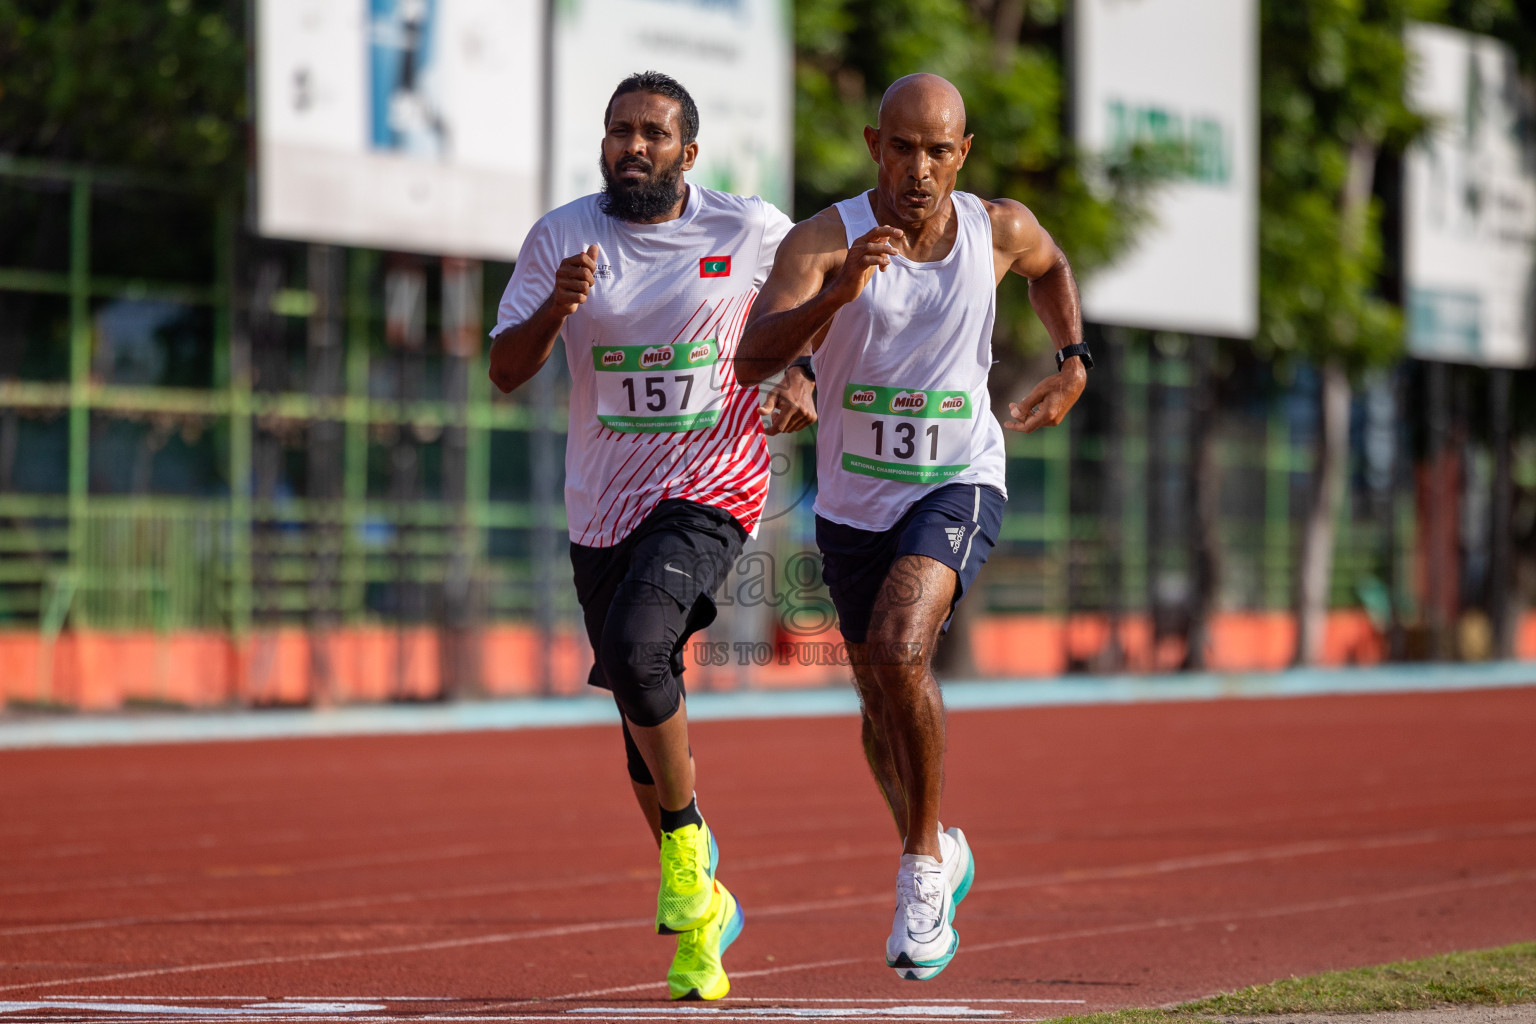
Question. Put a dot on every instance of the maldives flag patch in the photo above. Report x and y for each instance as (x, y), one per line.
(715, 266)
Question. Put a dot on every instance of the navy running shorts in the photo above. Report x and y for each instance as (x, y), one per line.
(956, 524)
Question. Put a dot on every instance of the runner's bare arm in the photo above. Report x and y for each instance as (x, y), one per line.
(518, 352)
(814, 275)
(1025, 248)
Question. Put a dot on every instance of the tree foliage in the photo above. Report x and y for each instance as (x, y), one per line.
(1331, 100)
(157, 85)
(1010, 74)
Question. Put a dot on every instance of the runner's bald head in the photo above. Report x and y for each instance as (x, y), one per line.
(920, 145)
(924, 99)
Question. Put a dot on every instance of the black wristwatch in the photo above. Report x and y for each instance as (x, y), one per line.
(804, 362)
(1080, 350)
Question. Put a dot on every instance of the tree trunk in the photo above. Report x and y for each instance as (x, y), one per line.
(1203, 498)
(1153, 537)
(269, 373)
(1503, 607)
(405, 329)
(1112, 382)
(323, 473)
(461, 602)
(1007, 20)
(10, 433)
(1315, 566)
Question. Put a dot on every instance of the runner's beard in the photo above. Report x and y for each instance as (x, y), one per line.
(644, 199)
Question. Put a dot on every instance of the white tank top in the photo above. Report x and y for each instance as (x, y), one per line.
(901, 379)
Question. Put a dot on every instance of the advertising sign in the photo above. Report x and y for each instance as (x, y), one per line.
(1470, 203)
(733, 56)
(1181, 76)
(414, 125)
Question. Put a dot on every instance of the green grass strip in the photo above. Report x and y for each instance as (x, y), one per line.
(1135, 1017)
(1490, 977)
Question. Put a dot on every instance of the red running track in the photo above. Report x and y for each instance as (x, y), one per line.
(1127, 855)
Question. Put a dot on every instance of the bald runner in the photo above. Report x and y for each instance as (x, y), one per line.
(895, 293)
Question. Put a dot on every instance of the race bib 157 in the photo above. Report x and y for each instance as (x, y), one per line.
(917, 437)
(649, 389)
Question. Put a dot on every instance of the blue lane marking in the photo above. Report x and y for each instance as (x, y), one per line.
(533, 713)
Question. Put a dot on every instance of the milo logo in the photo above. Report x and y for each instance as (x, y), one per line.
(699, 352)
(865, 397)
(954, 403)
(908, 401)
(613, 357)
(655, 357)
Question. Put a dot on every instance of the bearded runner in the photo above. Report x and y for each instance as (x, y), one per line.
(895, 290)
(666, 467)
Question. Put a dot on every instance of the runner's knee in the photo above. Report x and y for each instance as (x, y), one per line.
(896, 666)
(638, 653)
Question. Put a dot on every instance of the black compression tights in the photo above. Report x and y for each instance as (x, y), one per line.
(639, 653)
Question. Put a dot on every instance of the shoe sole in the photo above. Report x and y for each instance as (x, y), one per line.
(732, 932)
(908, 969)
(714, 863)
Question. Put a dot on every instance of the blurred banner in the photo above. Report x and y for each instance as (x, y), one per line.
(1178, 80)
(733, 56)
(413, 125)
(1470, 203)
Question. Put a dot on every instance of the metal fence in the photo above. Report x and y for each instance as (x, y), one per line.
(270, 434)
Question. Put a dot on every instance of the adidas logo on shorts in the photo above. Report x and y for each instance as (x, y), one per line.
(955, 534)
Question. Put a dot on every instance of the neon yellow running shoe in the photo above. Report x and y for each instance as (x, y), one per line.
(686, 895)
(696, 969)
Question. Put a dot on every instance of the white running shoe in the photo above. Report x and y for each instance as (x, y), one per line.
(923, 938)
(959, 868)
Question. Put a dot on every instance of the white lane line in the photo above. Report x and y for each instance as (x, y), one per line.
(1229, 858)
(341, 903)
(598, 926)
(1512, 878)
(181, 1010)
(911, 1012)
(1313, 907)
(646, 985)
(341, 954)
(633, 875)
(274, 1000)
(710, 1012)
(870, 1014)
(379, 999)
(1196, 862)
(268, 870)
(545, 1018)
(911, 1000)
(319, 1010)
(1166, 866)
(88, 837)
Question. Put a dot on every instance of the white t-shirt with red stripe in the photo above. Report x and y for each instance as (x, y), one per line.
(656, 412)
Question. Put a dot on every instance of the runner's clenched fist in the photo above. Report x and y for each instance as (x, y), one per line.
(573, 281)
(872, 251)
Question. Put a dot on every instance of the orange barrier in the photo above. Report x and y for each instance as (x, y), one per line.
(92, 670)
(1036, 645)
